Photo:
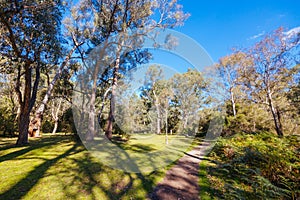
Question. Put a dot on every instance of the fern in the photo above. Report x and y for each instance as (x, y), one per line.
(262, 167)
(266, 189)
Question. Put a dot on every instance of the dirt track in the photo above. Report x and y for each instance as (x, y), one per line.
(182, 180)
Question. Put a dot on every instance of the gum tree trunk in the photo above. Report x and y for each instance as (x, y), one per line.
(276, 119)
(91, 120)
(109, 128)
(158, 114)
(24, 101)
(232, 102)
(23, 129)
(55, 116)
(40, 111)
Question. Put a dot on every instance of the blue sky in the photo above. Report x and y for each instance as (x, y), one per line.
(221, 25)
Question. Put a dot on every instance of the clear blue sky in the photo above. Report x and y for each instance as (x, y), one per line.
(221, 25)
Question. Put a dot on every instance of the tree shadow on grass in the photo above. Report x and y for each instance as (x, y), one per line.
(120, 183)
(140, 148)
(20, 189)
(88, 170)
(36, 144)
(85, 173)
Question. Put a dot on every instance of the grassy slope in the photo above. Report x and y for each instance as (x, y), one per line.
(142, 152)
(57, 167)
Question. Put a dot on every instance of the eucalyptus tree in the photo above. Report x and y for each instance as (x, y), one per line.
(29, 42)
(190, 95)
(228, 69)
(271, 71)
(150, 92)
(126, 22)
(60, 100)
(58, 106)
(165, 96)
(58, 70)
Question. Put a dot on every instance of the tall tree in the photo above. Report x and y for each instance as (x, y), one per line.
(165, 96)
(189, 93)
(151, 91)
(125, 22)
(270, 73)
(228, 70)
(139, 15)
(64, 66)
(29, 41)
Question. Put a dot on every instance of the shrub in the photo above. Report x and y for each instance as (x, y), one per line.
(47, 126)
(257, 166)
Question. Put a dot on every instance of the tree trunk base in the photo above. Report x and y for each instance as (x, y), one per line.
(108, 135)
(23, 130)
(89, 137)
(19, 144)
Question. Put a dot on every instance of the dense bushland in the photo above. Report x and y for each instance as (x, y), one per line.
(263, 166)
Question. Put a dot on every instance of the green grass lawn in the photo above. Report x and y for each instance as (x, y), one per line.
(142, 153)
(58, 167)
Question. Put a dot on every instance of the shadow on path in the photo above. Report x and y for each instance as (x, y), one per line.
(182, 180)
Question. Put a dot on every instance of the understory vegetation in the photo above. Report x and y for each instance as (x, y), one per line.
(253, 166)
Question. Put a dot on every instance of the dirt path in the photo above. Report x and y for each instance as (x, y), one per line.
(182, 180)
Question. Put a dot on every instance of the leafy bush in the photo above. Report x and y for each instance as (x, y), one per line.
(250, 118)
(259, 166)
(47, 126)
(7, 121)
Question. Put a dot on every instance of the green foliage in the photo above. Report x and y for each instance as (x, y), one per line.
(250, 118)
(8, 110)
(294, 96)
(47, 126)
(29, 32)
(205, 191)
(66, 123)
(7, 122)
(256, 166)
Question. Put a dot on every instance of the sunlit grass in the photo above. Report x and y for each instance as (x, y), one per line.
(141, 153)
(57, 167)
(204, 184)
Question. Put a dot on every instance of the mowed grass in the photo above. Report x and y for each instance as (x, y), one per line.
(141, 153)
(59, 167)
